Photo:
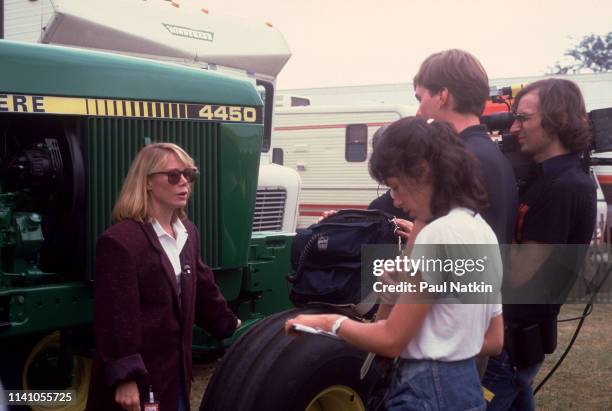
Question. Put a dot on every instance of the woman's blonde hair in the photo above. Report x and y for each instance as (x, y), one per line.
(133, 201)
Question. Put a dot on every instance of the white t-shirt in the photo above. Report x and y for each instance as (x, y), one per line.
(453, 332)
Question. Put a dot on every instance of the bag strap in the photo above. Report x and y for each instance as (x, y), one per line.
(295, 277)
(365, 305)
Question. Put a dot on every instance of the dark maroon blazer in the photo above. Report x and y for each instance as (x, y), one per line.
(143, 329)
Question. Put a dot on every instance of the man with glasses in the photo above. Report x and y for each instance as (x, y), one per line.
(558, 206)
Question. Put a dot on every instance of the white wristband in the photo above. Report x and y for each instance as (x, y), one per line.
(337, 325)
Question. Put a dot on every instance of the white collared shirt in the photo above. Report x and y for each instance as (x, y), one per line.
(172, 247)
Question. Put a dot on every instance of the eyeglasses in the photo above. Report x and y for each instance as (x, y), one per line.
(521, 118)
(174, 176)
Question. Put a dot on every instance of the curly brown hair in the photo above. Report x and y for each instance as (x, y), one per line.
(562, 110)
(454, 171)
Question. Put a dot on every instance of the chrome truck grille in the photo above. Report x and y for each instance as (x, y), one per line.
(269, 209)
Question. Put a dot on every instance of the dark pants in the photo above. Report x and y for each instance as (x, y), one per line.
(182, 403)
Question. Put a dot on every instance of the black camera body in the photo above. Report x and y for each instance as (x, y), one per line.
(499, 125)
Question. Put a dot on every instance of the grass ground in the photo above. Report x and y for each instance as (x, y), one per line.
(583, 382)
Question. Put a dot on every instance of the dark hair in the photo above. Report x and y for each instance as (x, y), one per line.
(378, 135)
(459, 72)
(562, 111)
(454, 171)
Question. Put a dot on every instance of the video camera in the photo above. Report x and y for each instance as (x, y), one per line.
(499, 118)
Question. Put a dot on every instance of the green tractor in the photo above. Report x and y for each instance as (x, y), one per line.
(72, 120)
(65, 146)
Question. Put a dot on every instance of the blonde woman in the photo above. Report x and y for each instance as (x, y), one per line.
(151, 285)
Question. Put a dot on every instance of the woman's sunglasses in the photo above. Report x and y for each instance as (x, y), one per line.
(174, 176)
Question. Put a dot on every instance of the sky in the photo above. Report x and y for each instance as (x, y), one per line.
(358, 42)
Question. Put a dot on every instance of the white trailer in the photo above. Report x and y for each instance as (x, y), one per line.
(329, 146)
(596, 89)
(183, 34)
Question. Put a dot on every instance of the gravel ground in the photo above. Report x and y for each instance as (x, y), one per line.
(201, 374)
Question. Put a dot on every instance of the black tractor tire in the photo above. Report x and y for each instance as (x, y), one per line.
(266, 370)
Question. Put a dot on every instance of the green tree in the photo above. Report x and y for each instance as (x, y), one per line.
(592, 54)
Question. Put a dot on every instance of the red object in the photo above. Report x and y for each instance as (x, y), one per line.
(520, 221)
(492, 108)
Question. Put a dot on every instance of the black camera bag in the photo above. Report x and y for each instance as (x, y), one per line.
(326, 257)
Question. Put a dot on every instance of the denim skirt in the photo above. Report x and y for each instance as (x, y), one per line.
(435, 385)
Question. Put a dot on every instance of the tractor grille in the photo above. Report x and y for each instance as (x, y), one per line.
(269, 209)
(113, 143)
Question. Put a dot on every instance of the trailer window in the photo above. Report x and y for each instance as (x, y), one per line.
(356, 148)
